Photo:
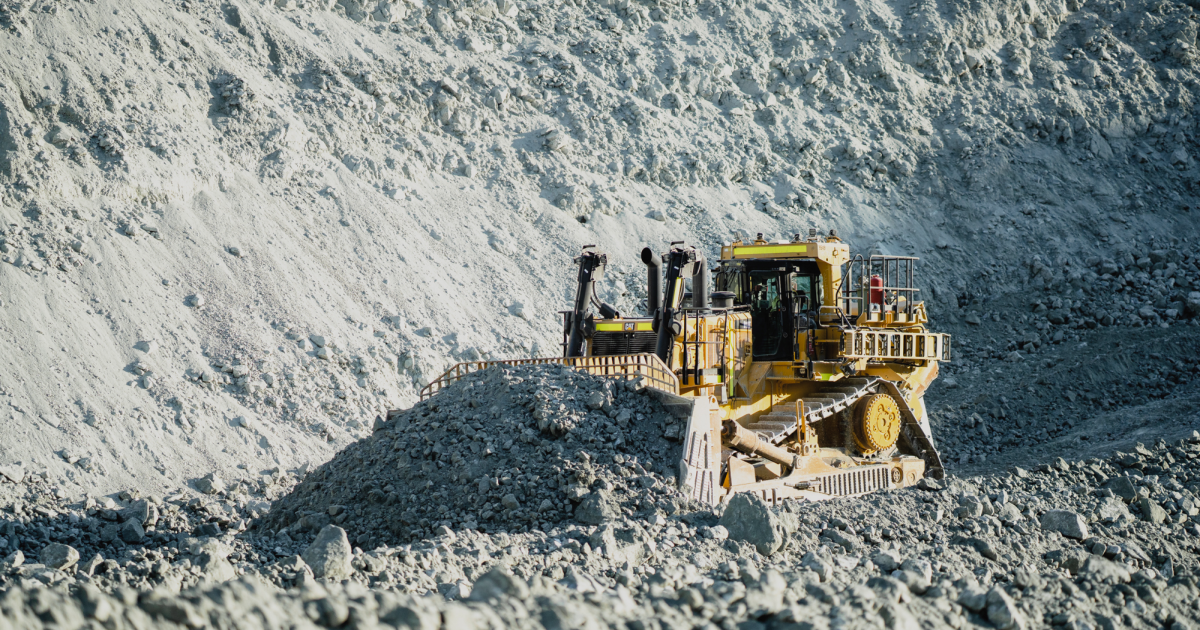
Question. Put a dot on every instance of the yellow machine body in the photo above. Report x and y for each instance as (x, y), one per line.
(803, 373)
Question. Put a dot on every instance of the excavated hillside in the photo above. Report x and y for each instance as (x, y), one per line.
(233, 233)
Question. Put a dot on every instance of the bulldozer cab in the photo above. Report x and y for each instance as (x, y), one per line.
(782, 297)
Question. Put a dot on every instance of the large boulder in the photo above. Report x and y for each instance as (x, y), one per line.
(210, 484)
(1151, 511)
(749, 519)
(132, 532)
(621, 545)
(887, 560)
(1002, 611)
(330, 554)
(1100, 569)
(1010, 513)
(12, 561)
(58, 556)
(141, 511)
(211, 559)
(497, 583)
(1112, 509)
(1123, 487)
(1065, 522)
(596, 508)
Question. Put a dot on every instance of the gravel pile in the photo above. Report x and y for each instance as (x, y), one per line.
(1095, 544)
(1085, 397)
(1085, 352)
(506, 449)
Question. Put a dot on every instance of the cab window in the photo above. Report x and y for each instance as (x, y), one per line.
(732, 280)
(769, 315)
(806, 291)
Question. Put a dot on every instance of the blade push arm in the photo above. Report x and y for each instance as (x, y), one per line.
(681, 262)
(591, 268)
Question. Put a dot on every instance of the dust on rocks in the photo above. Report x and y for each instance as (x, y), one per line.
(505, 449)
(888, 558)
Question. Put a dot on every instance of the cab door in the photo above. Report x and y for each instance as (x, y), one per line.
(770, 302)
(805, 299)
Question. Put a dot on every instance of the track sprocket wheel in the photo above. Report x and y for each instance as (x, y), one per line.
(876, 423)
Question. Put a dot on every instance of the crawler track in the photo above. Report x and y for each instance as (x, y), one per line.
(831, 399)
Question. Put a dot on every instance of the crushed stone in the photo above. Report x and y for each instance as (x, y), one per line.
(504, 449)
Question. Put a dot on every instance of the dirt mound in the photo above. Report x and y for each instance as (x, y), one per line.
(506, 449)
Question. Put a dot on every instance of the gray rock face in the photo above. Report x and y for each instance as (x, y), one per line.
(846, 541)
(58, 556)
(141, 511)
(890, 589)
(1123, 487)
(210, 484)
(417, 613)
(749, 519)
(496, 584)
(649, 566)
(330, 554)
(596, 508)
(214, 568)
(531, 453)
(818, 565)
(12, 561)
(887, 561)
(13, 473)
(132, 532)
(1065, 522)
(1112, 509)
(621, 545)
(1151, 511)
(973, 598)
(1002, 611)
(178, 611)
(1009, 513)
(898, 617)
(1101, 569)
(89, 567)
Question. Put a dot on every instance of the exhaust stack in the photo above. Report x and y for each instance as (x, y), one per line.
(700, 283)
(653, 281)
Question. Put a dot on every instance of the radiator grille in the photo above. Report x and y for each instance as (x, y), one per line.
(608, 343)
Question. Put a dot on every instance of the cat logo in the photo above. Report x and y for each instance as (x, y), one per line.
(630, 326)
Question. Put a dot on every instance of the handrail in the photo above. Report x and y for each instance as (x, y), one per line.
(628, 366)
(885, 344)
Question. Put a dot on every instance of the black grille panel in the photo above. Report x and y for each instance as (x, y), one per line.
(864, 479)
(606, 343)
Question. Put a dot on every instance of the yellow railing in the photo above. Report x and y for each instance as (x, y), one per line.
(870, 344)
(628, 366)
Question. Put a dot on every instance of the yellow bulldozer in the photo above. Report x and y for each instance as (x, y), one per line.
(801, 373)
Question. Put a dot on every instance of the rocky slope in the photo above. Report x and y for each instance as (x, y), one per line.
(1096, 543)
(235, 232)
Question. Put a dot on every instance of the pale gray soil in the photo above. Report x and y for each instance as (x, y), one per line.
(233, 233)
